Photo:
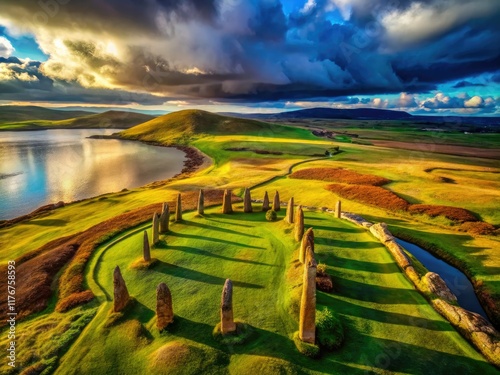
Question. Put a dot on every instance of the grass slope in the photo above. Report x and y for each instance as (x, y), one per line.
(389, 325)
(15, 113)
(184, 126)
(109, 119)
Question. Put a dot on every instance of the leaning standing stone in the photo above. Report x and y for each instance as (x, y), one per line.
(178, 208)
(164, 218)
(227, 206)
(307, 323)
(121, 296)
(276, 202)
(146, 250)
(299, 225)
(307, 242)
(227, 324)
(289, 211)
(247, 202)
(265, 203)
(164, 308)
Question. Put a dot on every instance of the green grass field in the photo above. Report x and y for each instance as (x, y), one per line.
(389, 326)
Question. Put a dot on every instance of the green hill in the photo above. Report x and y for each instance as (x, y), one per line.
(183, 126)
(109, 119)
(15, 113)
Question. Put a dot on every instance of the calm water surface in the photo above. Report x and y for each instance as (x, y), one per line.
(458, 283)
(41, 167)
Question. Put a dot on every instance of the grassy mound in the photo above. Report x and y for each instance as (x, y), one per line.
(177, 357)
(240, 336)
(309, 350)
(341, 175)
(262, 365)
(329, 330)
(181, 127)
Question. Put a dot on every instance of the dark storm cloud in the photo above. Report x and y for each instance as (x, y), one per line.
(249, 50)
(462, 84)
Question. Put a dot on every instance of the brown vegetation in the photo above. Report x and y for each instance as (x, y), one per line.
(478, 227)
(372, 195)
(456, 214)
(339, 175)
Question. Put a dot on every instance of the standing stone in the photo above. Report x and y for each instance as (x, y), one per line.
(307, 323)
(247, 201)
(146, 250)
(276, 202)
(289, 211)
(227, 324)
(227, 206)
(338, 209)
(156, 228)
(265, 203)
(121, 296)
(164, 308)
(178, 208)
(201, 202)
(307, 242)
(164, 218)
(299, 224)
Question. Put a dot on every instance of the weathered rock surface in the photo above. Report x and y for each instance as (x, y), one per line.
(265, 203)
(227, 324)
(227, 205)
(178, 208)
(247, 202)
(356, 219)
(164, 218)
(338, 210)
(120, 292)
(156, 228)
(201, 202)
(438, 286)
(276, 202)
(324, 283)
(289, 217)
(307, 243)
(298, 231)
(146, 251)
(164, 308)
(307, 323)
(381, 232)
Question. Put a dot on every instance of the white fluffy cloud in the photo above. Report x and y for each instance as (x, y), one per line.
(6, 48)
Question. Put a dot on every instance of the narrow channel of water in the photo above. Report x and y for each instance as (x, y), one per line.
(458, 283)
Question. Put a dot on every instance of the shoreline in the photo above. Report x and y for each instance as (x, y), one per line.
(195, 160)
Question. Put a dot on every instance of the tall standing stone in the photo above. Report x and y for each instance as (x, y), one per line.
(156, 228)
(338, 209)
(276, 202)
(121, 296)
(299, 224)
(307, 323)
(289, 211)
(247, 201)
(164, 218)
(227, 324)
(307, 242)
(201, 202)
(227, 205)
(146, 250)
(164, 308)
(178, 208)
(265, 203)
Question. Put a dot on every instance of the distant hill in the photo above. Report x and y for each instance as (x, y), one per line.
(182, 126)
(14, 113)
(109, 119)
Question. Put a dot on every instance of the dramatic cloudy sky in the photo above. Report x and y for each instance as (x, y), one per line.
(425, 56)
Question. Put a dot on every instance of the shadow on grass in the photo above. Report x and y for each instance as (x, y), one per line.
(140, 312)
(212, 239)
(196, 251)
(186, 273)
(376, 293)
(336, 229)
(346, 308)
(216, 228)
(346, 244)
(360, 265)
(49, 223)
